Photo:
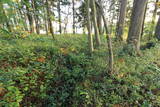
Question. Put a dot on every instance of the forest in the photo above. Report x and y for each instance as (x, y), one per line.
(79, 53)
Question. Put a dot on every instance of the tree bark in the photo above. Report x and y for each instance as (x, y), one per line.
(29, 15)
(59, 16)
(98, 41)
(34, 6)
(109, 41)
(144, 18)
(157, 31)
(50, 26)
(73, 8)
(135, 29)
(99, 19)
(90, 38)
(120, 25)
(153, 24)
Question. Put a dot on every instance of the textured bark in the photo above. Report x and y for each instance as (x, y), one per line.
(90, 38)
(98, 41)
(120, 25)
(157, 32)
(136, 23)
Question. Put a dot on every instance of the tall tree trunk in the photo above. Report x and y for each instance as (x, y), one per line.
(109, 40)
(136, 24)
(99, 19)
(73, 8)
(98, 41)
(121, 22)
(157, 31)
(29, 15)
(45, 17)
(90, 38)
(59, 16)
(50, 26)
(144, 18)
(35, 10)
(154, 18)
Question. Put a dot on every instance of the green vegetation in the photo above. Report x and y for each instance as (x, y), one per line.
(79, 53)
(37, 71)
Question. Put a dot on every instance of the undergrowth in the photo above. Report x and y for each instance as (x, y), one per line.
(36, 71)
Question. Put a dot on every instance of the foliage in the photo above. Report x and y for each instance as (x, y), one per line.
(36, 71)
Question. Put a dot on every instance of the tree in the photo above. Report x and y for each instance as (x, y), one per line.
(50, 26)
(136, 24)
(29, 15)
(109, 41)
(36, 17)
(154, 17)
(59, 16)
(90, 38)
(121, 21)
(99, 19)
(73, 9)
(157, 31)
(98, 41)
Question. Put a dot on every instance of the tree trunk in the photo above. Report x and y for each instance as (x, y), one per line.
(98, 42)
(144, 18)
(157, 31)
(50, 27)
(120, 25)
(136, 24)
(29, 15)
(109, 41)
(73, 8)
(154, 19)
(99, 20)
(90, 38)
(35, 10)
(59, 16)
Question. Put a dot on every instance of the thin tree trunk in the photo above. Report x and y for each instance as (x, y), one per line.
(90, 38)
(157, 31)
(50, 27)
(154, 19)
(29, 15)
(59, 16)
(109, 41)
(120, 25)
(99, 19)
(34, 6)
(98, 41)
(73, 8)
(144, 21)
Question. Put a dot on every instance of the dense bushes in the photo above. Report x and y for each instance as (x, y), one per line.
(39, 72)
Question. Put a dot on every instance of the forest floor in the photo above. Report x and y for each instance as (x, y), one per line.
(37, 71)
